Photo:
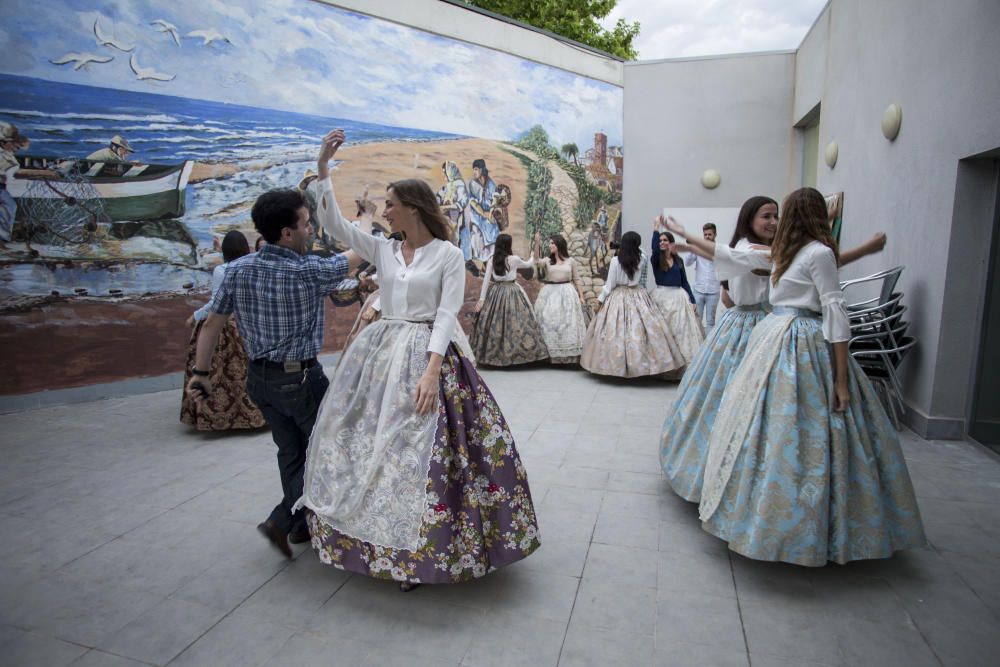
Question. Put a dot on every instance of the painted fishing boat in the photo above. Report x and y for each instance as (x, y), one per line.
(126, 191)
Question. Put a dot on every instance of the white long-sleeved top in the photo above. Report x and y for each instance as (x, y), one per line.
(218, 275)
(745, 288)
(705, 280)
(617, 277)
(811, 282)
(513, 264)
(431, 288)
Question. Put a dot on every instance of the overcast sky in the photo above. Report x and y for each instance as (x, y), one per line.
(682, 28)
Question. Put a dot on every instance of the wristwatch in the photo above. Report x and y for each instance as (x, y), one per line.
(204, 374)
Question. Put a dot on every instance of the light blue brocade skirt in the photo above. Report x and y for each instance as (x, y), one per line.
(684, 439)
(807, 485)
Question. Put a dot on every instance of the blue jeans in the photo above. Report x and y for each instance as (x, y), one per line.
(289, 403)
(708, 304)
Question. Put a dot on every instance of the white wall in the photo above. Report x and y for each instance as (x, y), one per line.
(938, 61)
(732, 114)
(737, 114)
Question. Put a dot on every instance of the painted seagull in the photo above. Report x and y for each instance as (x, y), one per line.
(169, 28)
(148, 73)
(81, 59)
(209, 35)
(104, 40)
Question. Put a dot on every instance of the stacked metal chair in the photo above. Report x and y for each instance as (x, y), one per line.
(878, 334)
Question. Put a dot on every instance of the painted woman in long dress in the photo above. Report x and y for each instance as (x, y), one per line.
(412, 474)
(804, 465)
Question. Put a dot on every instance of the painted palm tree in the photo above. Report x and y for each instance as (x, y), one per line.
(570, 151)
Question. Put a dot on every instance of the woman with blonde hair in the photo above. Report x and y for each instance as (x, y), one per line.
(411, 473)
(803, 464)
(628, 336)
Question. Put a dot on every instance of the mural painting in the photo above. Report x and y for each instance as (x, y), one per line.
(134, 137)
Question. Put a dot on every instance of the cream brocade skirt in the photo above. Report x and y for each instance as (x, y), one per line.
(629, 338)
(560, 315)
(684, 324)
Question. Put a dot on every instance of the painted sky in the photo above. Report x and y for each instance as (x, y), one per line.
(300, 55)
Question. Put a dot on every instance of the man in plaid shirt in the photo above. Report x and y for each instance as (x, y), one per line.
(277, 295)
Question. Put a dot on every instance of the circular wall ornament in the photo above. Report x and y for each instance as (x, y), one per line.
(892, 118)
(830, 154)
(710, 178)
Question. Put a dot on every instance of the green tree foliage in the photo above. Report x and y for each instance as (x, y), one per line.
(575, 19)
(570, 151)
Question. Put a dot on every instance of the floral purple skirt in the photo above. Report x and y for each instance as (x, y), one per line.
(479, 515)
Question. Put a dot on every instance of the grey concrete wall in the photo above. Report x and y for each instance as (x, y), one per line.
(938, 61)
(732, 114)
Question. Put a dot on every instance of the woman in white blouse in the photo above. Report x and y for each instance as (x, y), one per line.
(229, 407)
(684, 438)
(411, 473)
(803, 463)
(628, 336)
(505, 332)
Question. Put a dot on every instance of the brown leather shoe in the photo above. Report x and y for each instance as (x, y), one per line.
(300, 537)
(276, 537)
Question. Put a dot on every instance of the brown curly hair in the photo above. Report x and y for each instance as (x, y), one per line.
(803, 219)
(416, 193)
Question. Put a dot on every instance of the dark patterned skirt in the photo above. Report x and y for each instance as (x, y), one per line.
(477, 514)
(229, 407)
(506, 332)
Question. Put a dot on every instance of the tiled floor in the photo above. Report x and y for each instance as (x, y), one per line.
(128, 539)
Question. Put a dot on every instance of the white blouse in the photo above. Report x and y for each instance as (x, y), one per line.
(513, 264)
(617, 277)
(218, 275)
(745, 288)
(811, 282)
(431, 288)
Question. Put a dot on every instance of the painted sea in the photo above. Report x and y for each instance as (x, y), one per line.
(273, 148)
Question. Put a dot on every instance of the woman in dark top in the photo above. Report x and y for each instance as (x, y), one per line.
(672, 294)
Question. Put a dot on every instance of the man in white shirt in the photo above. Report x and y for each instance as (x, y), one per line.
(706, 284)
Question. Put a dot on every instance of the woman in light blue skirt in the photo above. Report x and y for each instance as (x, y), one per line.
(803, 464)
(684, 439)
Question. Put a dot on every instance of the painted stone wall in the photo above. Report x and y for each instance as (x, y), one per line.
(152, 130)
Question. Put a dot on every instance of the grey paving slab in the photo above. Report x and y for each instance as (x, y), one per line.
(149, 555)
(35, 649)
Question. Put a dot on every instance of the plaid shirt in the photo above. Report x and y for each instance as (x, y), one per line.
(277, 295)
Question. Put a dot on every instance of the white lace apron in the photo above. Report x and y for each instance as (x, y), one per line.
(737, 411)
(369, 455)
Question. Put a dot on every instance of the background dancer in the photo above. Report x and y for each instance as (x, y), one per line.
(560, 308)
(672, 293)
(505, 332)
(628, 336)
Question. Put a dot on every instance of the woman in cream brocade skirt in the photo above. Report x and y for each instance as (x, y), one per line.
(562, 320)
(629, 338)
(674, 305)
